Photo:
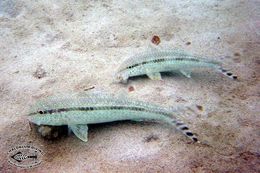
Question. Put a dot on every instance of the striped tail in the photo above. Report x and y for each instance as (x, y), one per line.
(185, 130)
(228, 73)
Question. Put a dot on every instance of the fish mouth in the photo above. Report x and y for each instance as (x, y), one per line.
(31, 119)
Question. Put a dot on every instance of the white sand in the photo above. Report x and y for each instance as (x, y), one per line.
(80, 44)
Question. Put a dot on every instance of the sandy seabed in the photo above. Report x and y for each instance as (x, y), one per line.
(55, 47)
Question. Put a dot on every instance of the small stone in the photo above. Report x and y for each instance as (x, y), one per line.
(179, 99)
(131, 88)
(236, 54)
(188, 43)
(50, 132)
(151, 137)
(89, 88)
(156, 40)
(199, 107)
(257, 61)
(40, 72)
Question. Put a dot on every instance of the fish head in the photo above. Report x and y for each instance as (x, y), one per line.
(46, 117)
(45, 120)
(38, 117)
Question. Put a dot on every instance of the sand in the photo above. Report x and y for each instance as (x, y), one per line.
(58, 47)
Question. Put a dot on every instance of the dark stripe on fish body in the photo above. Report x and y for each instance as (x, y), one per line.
(162, 60)
(51, 111)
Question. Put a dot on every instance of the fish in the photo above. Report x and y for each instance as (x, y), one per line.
(77, 112)
(152, 63)
(20, 157)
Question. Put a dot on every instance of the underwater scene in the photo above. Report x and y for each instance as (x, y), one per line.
(130, 86)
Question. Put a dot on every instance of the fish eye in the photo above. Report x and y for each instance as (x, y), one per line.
(40, 112)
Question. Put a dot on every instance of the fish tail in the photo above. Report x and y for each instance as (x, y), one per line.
(227, 73)
(182, 127)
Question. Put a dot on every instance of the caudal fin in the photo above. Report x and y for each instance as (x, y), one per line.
(228, 73)
(182, 127)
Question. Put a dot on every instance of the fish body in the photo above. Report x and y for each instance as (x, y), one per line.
(78, 112)
(154, 62)
(20, 157)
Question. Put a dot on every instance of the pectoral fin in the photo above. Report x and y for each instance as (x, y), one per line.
(154, 76)
(81, 131)
(186, 73)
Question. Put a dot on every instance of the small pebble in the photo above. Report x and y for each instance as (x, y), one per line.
(156, 40)
(51, 132)
(257, 61)
(188, 43)
(40, 72)
(151, 137)
(131, 88)
(236, 54)
(199, 107)
(89, 88)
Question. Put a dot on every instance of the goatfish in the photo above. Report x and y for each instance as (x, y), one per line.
(152, 63)
(80, 111)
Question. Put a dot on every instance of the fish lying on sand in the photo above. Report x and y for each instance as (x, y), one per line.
(79, 111)
(152, 63)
